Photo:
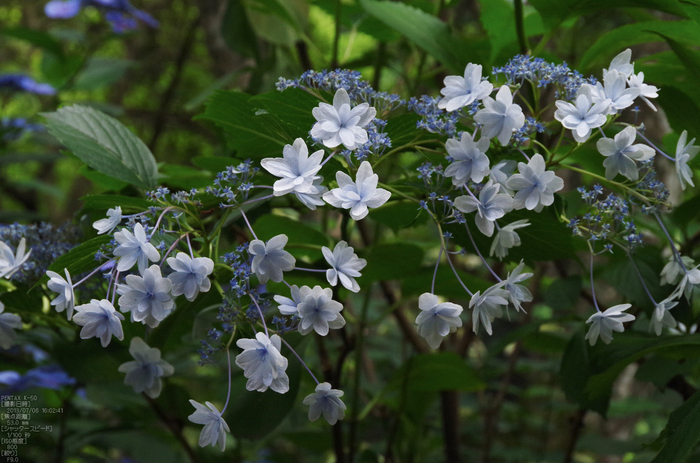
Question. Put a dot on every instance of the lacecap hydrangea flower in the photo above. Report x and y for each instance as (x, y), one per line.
(9, 322)
(215, 428)
(339, 124)
(621, 154)
(144, 373)
(114, 216)
(490, 205)
(535, 185)
(604, 323)
(263, 364)
(325, 401)
(134, 248)
(11, 262)
(583, 116)
(296, 168)
(100, 320)
(500, 117)
(462, 91)
(487, 307)
(345, 265)
(64, 287)
(358, 196)
(289, 306)
(191, 275)
(270, 259)
(507, 238)
(147, 297)
(684, 154)
(469, 159)
(662, 316)
(437, 319)
(318, 311)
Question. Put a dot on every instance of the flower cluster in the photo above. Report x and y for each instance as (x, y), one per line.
(119, 13)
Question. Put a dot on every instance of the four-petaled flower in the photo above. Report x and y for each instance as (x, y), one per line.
(134, 248)
(535, 185)
(684, 154)
(345, 265)
(114, 216)
(621, 154)
(144, 373)
(490, 206)
(100, 320)
(500, 117)
(437, 320)
(64, 287)
(462, 91)
(604, 323)
(296, 168)
(190, 275)
(271, 259)
(662, 316)
(147, 297)
(470, 162)
(325, 401)
(215, 428)
(582, 117)
(263, 364)
(360, 195)
(318, 311)
(11, 262)
(339, 124)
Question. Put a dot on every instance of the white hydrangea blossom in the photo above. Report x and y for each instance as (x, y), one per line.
(469, 159)
(215, 428)
(289, 306)
(100, 320)
(672, 272)
(270, 259)
(614, 89)
(10, 262)
(501, 172)
(490, 206)
(345, 265)
(114, 216)
(339, 124)
(582, 117)
(662, 316)
(462, 91)
(191, 275)
(313, 197)
(500, 117)
(147, 297)
(296, 168)
(9, 322)
(621, 63)
(64, 287)
(507, 238)
(646, 91)
(134, 248)
(689, 280)
(684, 154)
(621, 154)
(604, 323)
(517, 293)
(535, 185)
(263, 364)
(144, 373)
(325, 401)
(487, 307)
(358, 196)
(318, 311)
(436, 319)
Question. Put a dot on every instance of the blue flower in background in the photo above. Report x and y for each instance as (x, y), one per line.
(120, 13)
(48, 376)
(12, 128)
(20, 82)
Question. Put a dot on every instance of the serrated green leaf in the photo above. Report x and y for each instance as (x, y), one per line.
(423, 29)
(682, 432)
(292, 106)
(600, 53)
(101, 181)
(99, 72)
(104, 144)
(237, 31)
(104, 202)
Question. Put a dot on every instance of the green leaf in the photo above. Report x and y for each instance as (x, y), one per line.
(214, 164)
(36, 38)
(556, 11)
(237, 31)
(620, 273)
(399, 214)
(682, 111)
(99, 72)
(292, 106)
(183, 177)
(104, 202)
(689, 58)
(446, 283)
(80, 259)
(425, 30)
(101, 181)
(253, 133)
(402, 129)
(391, 261)
(682, 432)
(435, 372)
(600, 53)
(104, 144)
(574, 374)
(303, 240)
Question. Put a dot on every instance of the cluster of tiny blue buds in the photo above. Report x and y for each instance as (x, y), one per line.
(434, 119)
(233, 181)
(542, 73)
(12, 129)
(427, 170)
(158, 193)
(359, 90)
(523, 134)
(47, 242)
(650, 185)
(377, 142)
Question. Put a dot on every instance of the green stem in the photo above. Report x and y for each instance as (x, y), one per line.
(621, 186)
(520, 27)
(336, 37)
